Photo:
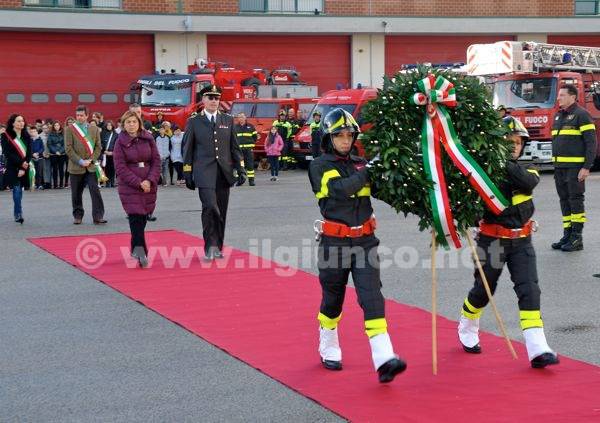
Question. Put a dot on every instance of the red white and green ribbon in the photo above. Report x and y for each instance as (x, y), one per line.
(83, 138)
(31, 175)
(19, 145)
(437, 94)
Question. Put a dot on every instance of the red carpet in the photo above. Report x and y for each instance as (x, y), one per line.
(269, 322)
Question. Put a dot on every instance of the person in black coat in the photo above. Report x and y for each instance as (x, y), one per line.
(16, 147)
(211, 152)
(108, 136)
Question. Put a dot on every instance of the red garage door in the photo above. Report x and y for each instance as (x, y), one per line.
(401, 50)
(49, 74)
(575, 40)
(321, 60)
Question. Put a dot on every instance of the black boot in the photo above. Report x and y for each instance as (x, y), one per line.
(546, 359)
(388, 370)
(566, 235)
(19, 219)
(575, 241)
(251, 182)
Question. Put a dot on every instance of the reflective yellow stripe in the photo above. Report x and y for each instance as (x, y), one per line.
(554, 132)
(588, 127)
(375, 327)
(578, 218)
(250, 173)
(569, 132)
(560, 159)
(520, 198)
(535, 172)
(567, 218)
(328, 322)
(567, 225)
(531, 319)
(246, 134)
(364, 192)
(327, 176)
(187, 168)
(254, 133)
(247, 145)
(473, 313)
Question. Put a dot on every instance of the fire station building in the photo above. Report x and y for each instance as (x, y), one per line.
(90, 51)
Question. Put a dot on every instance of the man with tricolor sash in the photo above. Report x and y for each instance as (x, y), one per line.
(83, 147)
(505, 238)
(573, 154)
(348, 245)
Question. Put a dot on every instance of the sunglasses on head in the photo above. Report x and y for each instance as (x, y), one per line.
(212, 97)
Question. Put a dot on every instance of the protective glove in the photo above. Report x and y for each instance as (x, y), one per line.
(241, 177)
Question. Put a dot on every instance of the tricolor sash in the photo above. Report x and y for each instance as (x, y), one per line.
(84, 138)
(19, 145)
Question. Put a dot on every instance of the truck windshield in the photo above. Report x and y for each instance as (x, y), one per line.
(245, 108)
(176, 95)
(326, 108)
(525, 93)
(267, 110)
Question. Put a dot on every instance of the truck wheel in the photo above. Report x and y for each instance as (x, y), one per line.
(251, 81)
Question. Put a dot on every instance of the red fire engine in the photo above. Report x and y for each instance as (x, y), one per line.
(177, 96)
(526, 77)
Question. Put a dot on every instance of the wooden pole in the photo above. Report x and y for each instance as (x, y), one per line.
(490, 297)
(433, 305)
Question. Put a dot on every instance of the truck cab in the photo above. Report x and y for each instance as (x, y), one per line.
(352, 100)
(533, 100)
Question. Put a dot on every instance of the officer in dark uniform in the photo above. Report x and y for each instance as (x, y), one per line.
(284, 128)
(246, 136)
(348, 245)
(315, 133)
(573, 153)
(506, 238)
(210, 155)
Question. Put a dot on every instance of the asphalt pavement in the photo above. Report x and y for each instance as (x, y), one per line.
(73, 349)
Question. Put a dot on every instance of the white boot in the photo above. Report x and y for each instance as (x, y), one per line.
(468, 331)
(381, 349)
(535, 341)
(329, 344)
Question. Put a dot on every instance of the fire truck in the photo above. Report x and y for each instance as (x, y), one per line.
(526, 77)
(177, 96)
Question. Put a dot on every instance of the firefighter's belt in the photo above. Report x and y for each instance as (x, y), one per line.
(498, 231)
(339, 230)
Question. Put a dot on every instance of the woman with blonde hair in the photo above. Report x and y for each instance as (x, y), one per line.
(137, 165)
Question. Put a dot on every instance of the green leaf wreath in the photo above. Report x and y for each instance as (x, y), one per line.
(399, 178)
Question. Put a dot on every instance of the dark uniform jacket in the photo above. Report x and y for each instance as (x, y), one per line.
(573, 138)
(341, 185)
(316, 133)
(518, 189)
(246, 135)
(284, 128)
(208, 147)
(14, 162)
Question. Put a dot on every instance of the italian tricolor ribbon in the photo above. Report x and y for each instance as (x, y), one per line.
(83, 138)
(21, 148)
(437, 94)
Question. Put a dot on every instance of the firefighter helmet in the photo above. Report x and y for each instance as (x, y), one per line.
(516, 127)
(335, 122)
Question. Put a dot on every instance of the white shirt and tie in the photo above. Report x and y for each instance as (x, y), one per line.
(212, 117)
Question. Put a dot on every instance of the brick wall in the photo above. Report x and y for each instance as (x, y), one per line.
(10, 4)
(364, 7)
(450, 7)
(150, 6)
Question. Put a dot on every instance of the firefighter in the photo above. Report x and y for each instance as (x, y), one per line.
(506, 239)
(246, 136)
(315, 133)
(348, 245)
(284, 128)
(295, 127)
(573, 153)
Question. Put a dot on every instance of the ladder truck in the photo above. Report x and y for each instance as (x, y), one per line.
(526, 77)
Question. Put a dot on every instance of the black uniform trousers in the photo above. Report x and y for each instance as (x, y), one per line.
(338, 257)
(137, 226)
(214, 212)
(248, 156)
(570, 191)
(78, 183)
(519, 255)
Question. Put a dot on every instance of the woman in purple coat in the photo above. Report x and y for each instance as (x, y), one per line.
(137, 165)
